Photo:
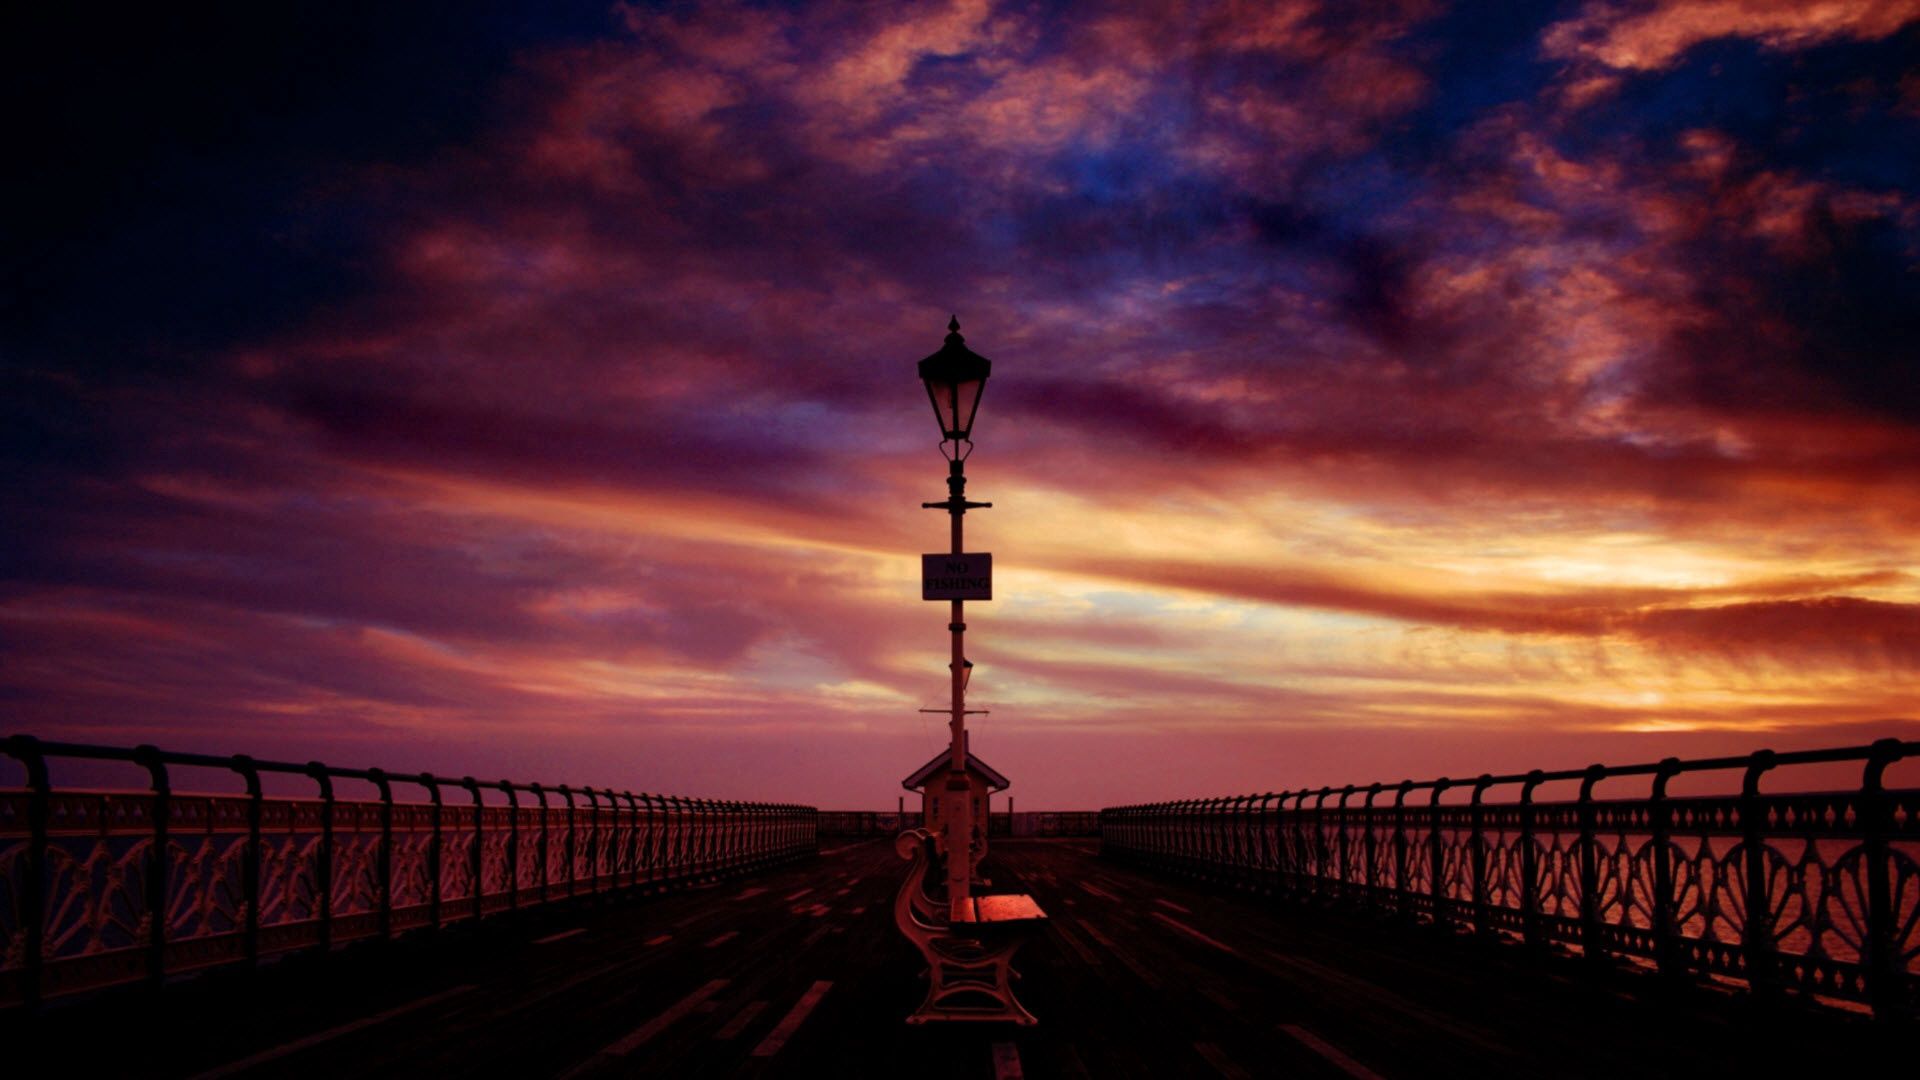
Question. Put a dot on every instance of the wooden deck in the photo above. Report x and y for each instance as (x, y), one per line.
(799, 972)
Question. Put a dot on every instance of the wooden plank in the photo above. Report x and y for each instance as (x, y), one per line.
(790, 1023)
(317, 1038)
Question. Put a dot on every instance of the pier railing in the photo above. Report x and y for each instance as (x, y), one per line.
(1812, 892)
(106, 887)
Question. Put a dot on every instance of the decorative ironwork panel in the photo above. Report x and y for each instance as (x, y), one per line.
(98, 888)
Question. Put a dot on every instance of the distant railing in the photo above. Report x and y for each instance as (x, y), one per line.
(1016, 824)
(866, 823)
(106, 887)
(1818, 893)
(1022, 823)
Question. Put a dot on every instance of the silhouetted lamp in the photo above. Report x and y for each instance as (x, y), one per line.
(955, 376)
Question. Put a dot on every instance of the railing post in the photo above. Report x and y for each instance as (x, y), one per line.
(1194, 833)
(1196, 836)
(1229, 836)
(478, 862)
(610, 838)
(157, 868)
(1250, 810)
(670, 829)
(33, 900)
(1177, 853)
(513, 845)
(633, 839)
(1267, 823)
(1402, 891)
(702, 861)
(1667, 954)
(649, 838)
(1302, 850)
(433, 852)
(1213, 824)
(669, 859)
(573, 840)
(1594, 950)
(323, 861)
(1437, 854)
(606, 828)
(1371, 845)
(593, 840)
(706, 835)
(674, 837)
(737, 821)
(1224, 812)
(385, 862)
(1343, 838)
(1530, 865)
(1886, 979)
(250, 860)
(1762, 955)
(1324, 885)
(1189, 834)
(540, 793)
(1477, 852)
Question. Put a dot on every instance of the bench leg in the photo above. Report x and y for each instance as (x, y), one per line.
(970, 980)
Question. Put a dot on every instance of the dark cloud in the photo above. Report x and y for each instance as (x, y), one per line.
(180, 173)
(1870, 634)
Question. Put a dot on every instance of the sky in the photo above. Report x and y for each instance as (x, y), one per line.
(1380, 390)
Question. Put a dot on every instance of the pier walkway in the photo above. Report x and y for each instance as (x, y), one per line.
(799, 972)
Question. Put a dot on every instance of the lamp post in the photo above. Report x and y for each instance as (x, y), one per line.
(955, 376)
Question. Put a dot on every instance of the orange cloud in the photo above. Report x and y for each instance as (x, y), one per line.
(1636, 38)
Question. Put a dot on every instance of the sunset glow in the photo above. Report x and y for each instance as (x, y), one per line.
(1379, 390)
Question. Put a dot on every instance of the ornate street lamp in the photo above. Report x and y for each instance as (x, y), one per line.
(955, 376)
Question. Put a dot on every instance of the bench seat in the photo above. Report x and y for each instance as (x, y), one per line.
(984, 910)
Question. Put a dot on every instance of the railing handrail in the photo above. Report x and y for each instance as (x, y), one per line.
(19, 746)
(1866, 752)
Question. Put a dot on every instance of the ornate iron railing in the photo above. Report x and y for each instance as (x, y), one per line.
(106, 887)
(1814, 892)
(1044, 823)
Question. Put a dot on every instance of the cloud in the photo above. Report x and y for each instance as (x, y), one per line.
(1649, 37)
(1854, 632)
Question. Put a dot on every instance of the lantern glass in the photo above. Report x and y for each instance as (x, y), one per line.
(954, 405)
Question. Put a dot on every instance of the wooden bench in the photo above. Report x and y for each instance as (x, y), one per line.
(968, 944)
